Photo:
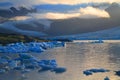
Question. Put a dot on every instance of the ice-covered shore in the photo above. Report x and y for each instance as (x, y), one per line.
(36, 47)
(24, 61)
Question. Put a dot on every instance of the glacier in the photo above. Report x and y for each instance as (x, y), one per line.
(112, 33)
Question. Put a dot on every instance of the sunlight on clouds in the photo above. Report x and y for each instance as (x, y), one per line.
(88, 12)
(91, 12)
(51, 15)
(61, 15)
(18, 18)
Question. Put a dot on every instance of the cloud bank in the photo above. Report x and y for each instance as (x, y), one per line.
(88, 12)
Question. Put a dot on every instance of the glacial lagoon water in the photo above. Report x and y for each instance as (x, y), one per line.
(76, 57)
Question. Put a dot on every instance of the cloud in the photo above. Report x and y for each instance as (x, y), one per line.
(88, 12)
(69, 2)
(19, 18)
(51, 15)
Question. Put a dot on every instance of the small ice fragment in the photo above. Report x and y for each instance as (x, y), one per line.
(59, 70)
(117, 73)
(106, 78)
(87, 73)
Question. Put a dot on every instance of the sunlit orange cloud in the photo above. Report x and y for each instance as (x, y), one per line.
(90, 12)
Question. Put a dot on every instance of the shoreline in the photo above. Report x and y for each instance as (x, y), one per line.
(97, 41)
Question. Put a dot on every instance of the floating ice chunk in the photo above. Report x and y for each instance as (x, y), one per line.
(12, 64)
(87, 73)
(98, 70)
(47, 65)
(59, 70)
(117, 73)
(25, 71)
(6, 57)
(3, 61)
(25, 56)
(36, 49)
(91, 71)
(106, 78)
(45, 68)
(17, 68)
(30, 67)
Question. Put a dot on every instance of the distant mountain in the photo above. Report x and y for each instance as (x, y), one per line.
(12, 12)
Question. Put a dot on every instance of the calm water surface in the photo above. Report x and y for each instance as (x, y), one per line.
(76, 58)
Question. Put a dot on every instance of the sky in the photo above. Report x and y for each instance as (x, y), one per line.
(69, 2)
(61, 9)
(33, 14)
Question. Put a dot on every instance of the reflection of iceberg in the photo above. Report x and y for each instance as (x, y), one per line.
(117, 73)
(106, 78)
(37, 47)
(59, 70)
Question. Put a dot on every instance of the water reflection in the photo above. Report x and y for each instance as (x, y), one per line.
(77, 58)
